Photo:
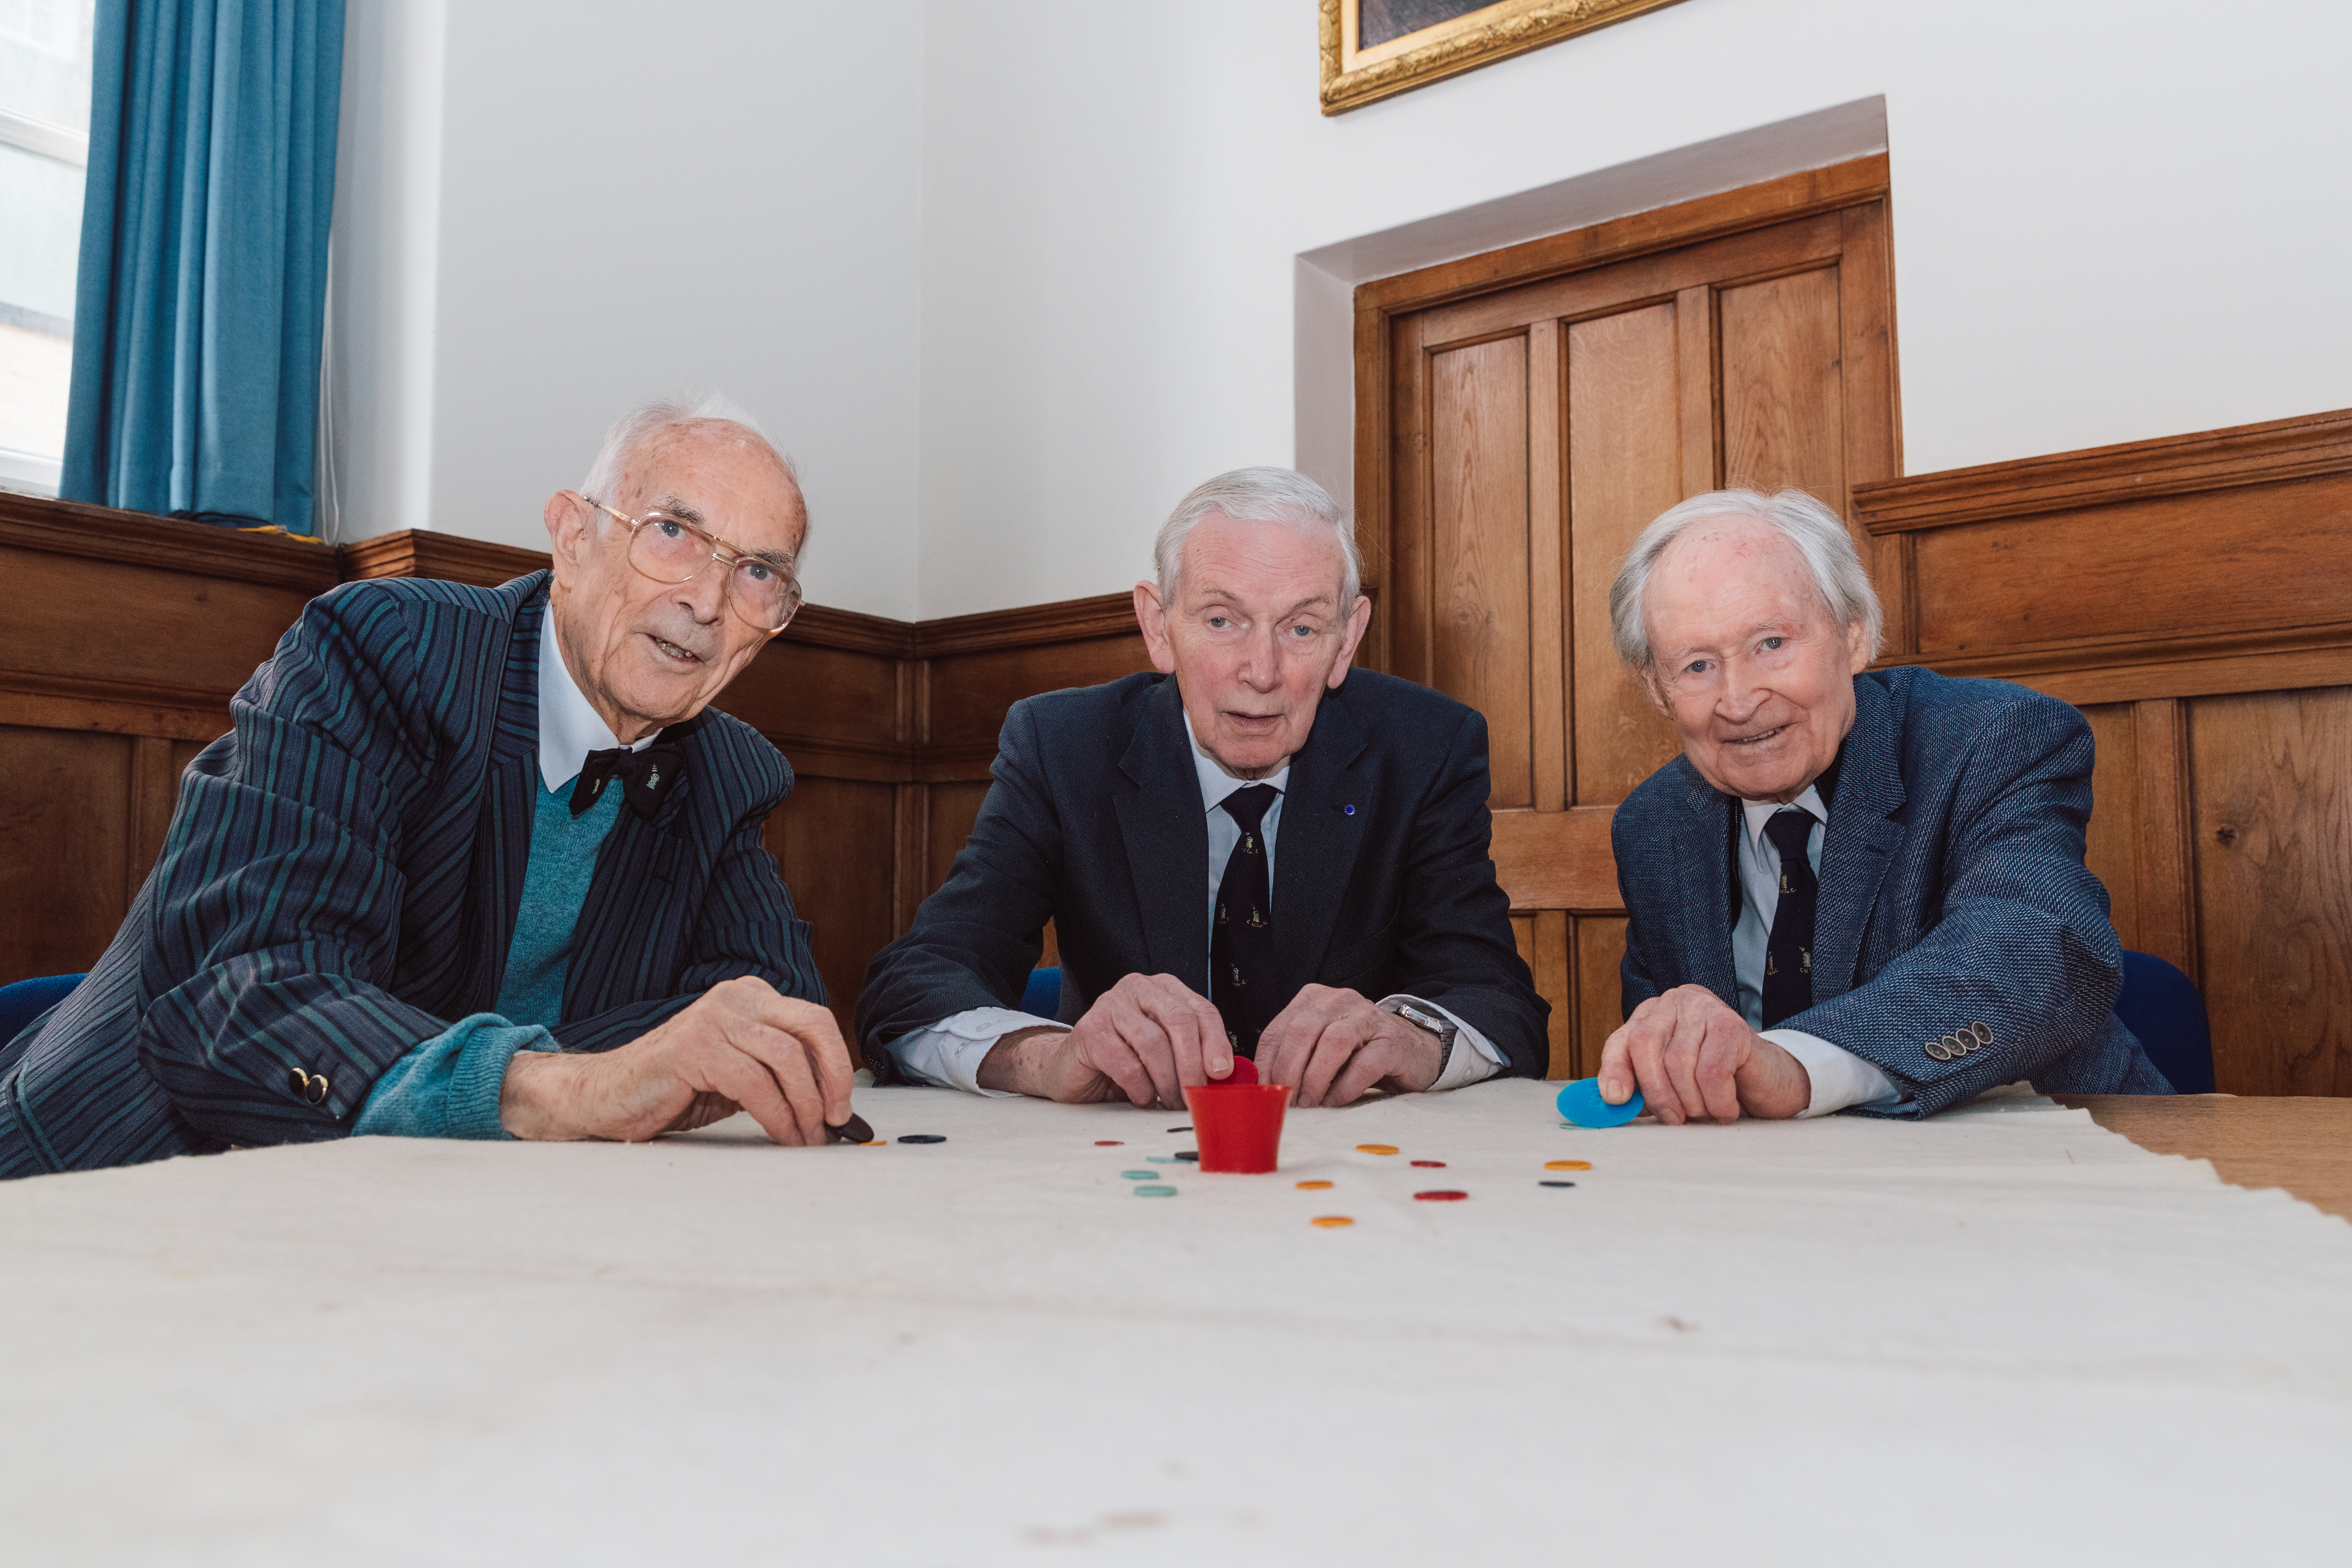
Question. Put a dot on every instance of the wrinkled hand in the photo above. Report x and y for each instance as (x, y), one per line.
(1331, 1045)
(1146, 1038)
(1697, 1060)
(738, 1047)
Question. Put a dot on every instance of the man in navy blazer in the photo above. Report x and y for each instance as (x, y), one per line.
(1856, 889)
(477, 862)
(1252, 853)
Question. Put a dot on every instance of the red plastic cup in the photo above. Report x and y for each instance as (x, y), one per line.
(1238, 1125)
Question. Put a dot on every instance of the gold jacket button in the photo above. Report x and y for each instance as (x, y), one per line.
(298, 1080)
(318, 1091)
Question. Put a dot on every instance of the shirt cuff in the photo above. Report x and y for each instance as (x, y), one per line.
(950, 1052)
(1840, 1078)
(1474, 1058)
(449, 1085)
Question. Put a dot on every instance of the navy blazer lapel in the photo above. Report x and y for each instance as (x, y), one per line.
(1860, 841)
(1701, 835)
(1316, 840)
(1166, 831)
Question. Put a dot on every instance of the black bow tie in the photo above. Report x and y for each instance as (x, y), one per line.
(645, 776)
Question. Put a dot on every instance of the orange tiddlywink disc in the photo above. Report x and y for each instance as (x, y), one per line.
(1376, 1149)
(1567, 1164)
(1312, 1186)
(1330, 1221)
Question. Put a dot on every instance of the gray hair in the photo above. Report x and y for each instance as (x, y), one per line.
(656, 415)
(1260, 495)
(1818, 534)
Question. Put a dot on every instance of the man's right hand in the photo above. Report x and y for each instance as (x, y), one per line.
(741, 1045)
(1146, 1038)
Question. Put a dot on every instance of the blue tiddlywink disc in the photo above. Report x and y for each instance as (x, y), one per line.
(1581, 1102)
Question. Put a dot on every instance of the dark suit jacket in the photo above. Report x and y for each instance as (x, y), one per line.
(1953, 893)
(342, 877)
(1096, 821)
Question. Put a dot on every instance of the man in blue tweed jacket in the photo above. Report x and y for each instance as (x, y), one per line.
(1854, 889)
(475, 862)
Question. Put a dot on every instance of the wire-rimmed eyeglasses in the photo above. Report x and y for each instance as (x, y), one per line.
(761, 589)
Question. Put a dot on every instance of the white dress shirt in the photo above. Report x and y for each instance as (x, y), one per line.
(950, 1052)
(1840, 1078)
(568, 729)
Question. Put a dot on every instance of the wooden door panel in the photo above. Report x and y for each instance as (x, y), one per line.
(1478, 491)
(832, 840)
(1523, 434)
(1783, 400)
(1625, 466)
(1784, 247)
(2273, 830)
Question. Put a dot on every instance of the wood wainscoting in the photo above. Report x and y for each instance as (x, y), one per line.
(128, 634)
(2193, 597)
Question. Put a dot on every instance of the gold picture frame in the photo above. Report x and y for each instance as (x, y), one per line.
(1480, 34)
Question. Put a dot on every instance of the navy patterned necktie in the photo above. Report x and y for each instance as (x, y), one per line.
(1789, 952)
(1240, 941)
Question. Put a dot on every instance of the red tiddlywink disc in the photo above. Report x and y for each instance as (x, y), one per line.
(1441, 1195)
(1244, 1071)
(1431, 1165)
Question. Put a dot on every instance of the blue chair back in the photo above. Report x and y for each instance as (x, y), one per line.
(27, 999)
(1041, 997)
(2161, 1006)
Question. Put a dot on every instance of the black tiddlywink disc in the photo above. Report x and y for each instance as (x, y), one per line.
(1555, 1183)
(1179, 1130)
(1188, 1153)
(922, 1138)
(853, 1131)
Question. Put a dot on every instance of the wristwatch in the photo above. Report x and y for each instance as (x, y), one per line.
(1436, 1023)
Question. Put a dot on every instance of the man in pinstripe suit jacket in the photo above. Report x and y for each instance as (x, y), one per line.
(1856, 889)
(376, 911)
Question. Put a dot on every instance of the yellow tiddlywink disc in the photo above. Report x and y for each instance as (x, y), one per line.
(1375, 1148)
(1567, 1164)
(1312, 1186)
(1330, 1221)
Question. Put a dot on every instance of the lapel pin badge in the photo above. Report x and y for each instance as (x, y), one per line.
(1348, 809)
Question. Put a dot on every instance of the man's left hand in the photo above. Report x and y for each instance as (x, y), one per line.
(1331, 1045)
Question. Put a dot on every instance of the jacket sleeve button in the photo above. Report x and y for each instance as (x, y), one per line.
(1936, 1049)
(298, 1080)
(1983, 1032)
(318, 1092)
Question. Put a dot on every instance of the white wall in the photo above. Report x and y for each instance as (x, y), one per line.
(591, 204)
(1009, 276)
(2110, 221)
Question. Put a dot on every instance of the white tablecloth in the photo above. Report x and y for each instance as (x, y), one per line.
(2005, 1335)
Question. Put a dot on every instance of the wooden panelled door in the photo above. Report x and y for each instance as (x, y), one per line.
(1522, 415)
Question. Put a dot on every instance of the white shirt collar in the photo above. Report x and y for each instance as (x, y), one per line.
(1216, 782)
(568, 729)
(1757, 813)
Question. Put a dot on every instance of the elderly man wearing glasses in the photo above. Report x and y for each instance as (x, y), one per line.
(477, 863)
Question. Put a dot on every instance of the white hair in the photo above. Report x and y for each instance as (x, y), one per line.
(1818, 534)
(656, 415)
(1260, 495)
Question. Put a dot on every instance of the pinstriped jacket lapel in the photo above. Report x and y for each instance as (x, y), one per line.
(638, 901)
(501, 852)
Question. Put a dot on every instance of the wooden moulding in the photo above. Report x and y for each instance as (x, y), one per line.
(2099, 475)
(104, 533)
(2128, 584)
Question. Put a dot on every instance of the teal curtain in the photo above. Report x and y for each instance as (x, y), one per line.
(202, 281)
